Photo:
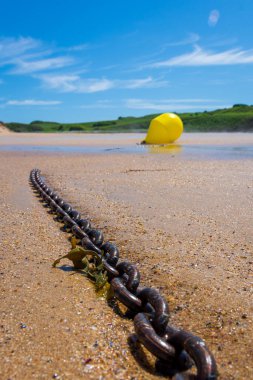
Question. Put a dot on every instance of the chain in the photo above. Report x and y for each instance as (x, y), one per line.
(176, 350)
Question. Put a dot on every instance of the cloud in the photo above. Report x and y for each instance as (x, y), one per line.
(75, 83)
(201, 57)
(191, 39)
(27, 55)
(158, 105)
(28, 67)
(64, 83)
(11, 48)
(213, 17)
(167, 105)
(148, 82)
(95, 85)
(78, 47)
(32, 102)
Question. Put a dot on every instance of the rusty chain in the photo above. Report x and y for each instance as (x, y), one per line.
(174, 348)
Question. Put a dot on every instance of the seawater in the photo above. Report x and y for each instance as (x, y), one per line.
(184, 151)
(238, 147)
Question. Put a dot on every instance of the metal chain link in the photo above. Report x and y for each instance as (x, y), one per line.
(175, 348)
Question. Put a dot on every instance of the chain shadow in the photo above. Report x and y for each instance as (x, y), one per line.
(139, 355)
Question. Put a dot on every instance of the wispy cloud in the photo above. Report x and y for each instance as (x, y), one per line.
(165, 105)
(150, 59)
(64, 83)
(28, 67)
(11, 48)
(213, 17)
(95, 85)
(75, 83)
(78, 47)
(191, 39)
(168, 105)
(32, 102)
(26, 55)
(201, 57)
(148, 82)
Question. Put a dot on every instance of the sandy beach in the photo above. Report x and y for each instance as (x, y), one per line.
(184, 219)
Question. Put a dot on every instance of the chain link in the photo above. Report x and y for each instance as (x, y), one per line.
(176, 349)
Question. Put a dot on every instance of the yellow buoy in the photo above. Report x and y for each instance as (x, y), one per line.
(164, 129)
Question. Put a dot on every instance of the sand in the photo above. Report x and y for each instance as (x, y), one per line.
(120, 139)
(4, 130)
(186, 223)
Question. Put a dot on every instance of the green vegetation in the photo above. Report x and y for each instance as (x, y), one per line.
(235, 119)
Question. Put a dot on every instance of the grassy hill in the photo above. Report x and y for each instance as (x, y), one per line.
(237, 118)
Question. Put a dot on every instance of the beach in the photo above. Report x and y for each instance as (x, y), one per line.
(183, 215)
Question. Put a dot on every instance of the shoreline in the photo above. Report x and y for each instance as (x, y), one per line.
(122, 139)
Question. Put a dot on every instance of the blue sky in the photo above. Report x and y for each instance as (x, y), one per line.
(72, 61)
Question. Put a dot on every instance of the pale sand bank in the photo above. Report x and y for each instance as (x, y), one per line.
(4, 130)
(188, 226)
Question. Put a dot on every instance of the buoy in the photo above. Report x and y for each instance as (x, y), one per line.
(164, 129)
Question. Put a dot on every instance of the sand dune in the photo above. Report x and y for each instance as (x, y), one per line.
(4, 130)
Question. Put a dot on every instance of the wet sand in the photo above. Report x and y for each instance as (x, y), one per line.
(187, 224)
(98, 139)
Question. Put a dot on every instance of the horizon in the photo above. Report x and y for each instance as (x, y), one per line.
(101, 61)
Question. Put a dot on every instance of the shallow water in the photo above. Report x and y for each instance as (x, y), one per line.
(223, 146)
(185, 151)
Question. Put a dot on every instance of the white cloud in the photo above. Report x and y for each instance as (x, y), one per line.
(213, 17)
(75, 83)
(169, 105)
(148, 82)
(27, 55)
(201, 57)
(64, 83)
(26, 67)
(95, 85)
(33, 102)
(11, 48)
